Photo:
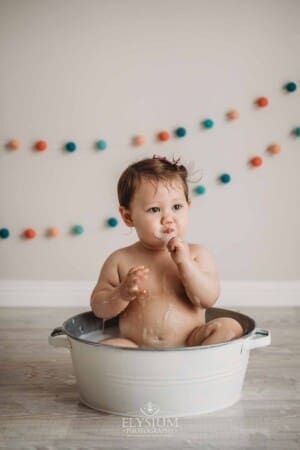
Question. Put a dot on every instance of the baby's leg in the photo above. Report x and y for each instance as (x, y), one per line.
(215, 331)
(120, 342)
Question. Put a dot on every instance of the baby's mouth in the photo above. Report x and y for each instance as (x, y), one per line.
(166, 234)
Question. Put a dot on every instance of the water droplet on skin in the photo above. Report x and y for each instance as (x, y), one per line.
(167, 313)
(144, 334)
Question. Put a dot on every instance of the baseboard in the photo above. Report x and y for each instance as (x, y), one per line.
(45, 293)
(77, 293)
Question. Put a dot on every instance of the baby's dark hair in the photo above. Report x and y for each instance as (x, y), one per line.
(157, 168)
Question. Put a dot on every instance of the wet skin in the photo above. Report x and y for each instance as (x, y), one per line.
(161, 284)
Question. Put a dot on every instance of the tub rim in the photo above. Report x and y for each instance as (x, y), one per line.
(64, 330)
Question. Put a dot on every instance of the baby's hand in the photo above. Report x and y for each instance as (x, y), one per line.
(130, 288)
(179, 250)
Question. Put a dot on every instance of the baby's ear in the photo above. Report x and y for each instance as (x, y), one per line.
(126, 216)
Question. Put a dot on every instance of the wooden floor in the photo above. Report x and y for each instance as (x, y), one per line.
(40, 408)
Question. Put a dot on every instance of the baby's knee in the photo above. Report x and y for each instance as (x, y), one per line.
(200, 333)
(215, 331)
(119, 342)
(230, 328)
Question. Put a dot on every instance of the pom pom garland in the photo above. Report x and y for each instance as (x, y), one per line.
(208, 123)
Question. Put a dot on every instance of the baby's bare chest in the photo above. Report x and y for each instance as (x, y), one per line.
(162, 278)
(165, 312)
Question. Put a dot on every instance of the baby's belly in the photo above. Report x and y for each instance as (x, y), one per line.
(160, 322)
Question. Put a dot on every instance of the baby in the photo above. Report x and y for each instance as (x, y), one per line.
(161, 285)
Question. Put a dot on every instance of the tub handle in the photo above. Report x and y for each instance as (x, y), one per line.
(58, 338)
(259, 338)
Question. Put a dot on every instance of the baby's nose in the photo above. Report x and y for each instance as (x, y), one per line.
(167, 220)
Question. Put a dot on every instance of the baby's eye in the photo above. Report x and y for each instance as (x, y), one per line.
(177, 206)
(154, 209)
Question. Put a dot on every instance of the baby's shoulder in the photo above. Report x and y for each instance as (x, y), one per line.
(203, 257)
(116, 254)
(196, 247)
(120, 254)
(199, 250)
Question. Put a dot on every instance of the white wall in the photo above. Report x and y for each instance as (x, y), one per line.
(84, 70)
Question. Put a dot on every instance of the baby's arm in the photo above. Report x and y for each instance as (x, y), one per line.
(106, 301)
(111, 296)
(198, 274)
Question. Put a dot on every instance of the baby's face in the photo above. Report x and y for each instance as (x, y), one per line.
(159, 211)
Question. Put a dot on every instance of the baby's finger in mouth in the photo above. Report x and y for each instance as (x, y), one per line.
(171, 247)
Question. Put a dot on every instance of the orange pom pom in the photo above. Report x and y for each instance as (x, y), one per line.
(256, 161)
(30, 233)
(262, 101)
(233, 114)
(41, 145)
(274, 148)
(163, 136)
(139, 140)
(53, 232)
(14, 144)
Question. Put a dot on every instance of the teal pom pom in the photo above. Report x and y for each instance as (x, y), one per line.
(208, 123)
(291, 86)
(225, 178)
(71, 146)
(78, 229)
(112, 222)
(180, 132)
(297, 131)
(4, 233)
(200, 190)
(101, 145)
